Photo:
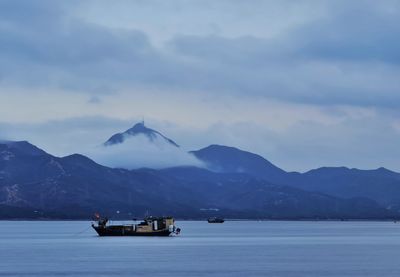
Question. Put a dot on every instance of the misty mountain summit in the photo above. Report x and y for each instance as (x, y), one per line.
(140, 147)
(139, 129)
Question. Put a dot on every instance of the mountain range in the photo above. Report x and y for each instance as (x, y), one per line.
(232, 184)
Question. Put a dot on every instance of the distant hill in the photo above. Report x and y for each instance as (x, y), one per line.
(35, 184)
(221, 158)
(380, 185)
(266, 200)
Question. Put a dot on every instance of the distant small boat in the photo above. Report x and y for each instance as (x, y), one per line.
(215, 220)
(150, 226)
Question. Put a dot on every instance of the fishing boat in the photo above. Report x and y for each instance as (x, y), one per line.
(215, 220)
(150, 226)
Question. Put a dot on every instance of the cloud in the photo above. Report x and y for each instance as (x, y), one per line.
(354, 31)
(138, 152)
(65, 52)
(346, 55)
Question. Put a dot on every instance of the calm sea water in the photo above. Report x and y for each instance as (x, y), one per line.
(202, 249)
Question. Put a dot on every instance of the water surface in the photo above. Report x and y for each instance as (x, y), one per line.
(269, 248)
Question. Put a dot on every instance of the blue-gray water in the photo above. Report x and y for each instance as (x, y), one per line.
(202, 249)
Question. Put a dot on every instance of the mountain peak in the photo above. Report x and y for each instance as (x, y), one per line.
(138, 129)
(20, 147)
(229, 159)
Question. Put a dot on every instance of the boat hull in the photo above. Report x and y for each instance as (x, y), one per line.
(216, 221)
(119, 232)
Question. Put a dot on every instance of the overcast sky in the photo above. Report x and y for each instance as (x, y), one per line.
(303, 83)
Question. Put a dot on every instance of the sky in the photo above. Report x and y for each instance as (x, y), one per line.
(303, 83)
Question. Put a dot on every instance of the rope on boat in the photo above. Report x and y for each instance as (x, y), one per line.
(83, 231)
